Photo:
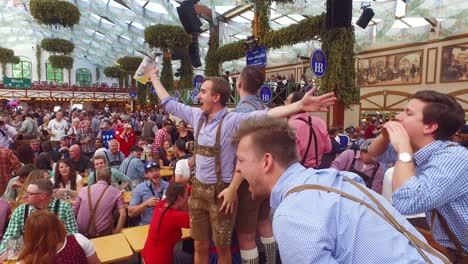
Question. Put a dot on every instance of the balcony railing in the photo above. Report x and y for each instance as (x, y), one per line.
(65, 87)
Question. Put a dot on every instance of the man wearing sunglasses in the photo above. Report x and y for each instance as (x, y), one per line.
(38, 197)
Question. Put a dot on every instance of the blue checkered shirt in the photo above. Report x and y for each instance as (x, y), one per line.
(441, 182)
(314, 226)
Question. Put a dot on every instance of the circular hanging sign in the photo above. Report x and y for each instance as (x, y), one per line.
(153, 91)
(318, 63)
(177, 96)
(133, 94)
(265, 94)
(198, 81)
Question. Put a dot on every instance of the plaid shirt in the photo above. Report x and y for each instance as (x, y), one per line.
(8, 163)
(86, 133)
(16, 225)
(160, 137)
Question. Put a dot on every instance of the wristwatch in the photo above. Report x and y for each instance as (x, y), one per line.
(405, 157)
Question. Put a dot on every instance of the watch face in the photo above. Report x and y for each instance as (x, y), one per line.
(405, 157)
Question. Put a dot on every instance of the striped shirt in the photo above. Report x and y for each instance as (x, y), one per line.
(314, 226)
(441, 182)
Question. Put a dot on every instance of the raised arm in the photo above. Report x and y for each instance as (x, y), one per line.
(152, 72)
(308, 103)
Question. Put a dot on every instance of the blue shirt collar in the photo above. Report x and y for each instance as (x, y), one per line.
(247, 98)
(284, 184)
(218, 115)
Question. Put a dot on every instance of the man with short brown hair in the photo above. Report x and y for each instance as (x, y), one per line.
(215, 157)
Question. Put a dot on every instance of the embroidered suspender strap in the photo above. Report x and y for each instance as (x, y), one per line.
(382, 212)
(214, 151)
(92, 212)
(311, 134)
(459, 249)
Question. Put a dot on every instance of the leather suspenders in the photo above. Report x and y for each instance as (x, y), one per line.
(381, 211)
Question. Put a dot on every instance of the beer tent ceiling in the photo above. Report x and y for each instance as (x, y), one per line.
(110, 29)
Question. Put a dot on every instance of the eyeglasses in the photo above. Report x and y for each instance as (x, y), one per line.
(31, 193)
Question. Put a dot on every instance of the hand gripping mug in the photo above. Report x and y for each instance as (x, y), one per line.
(140, 73)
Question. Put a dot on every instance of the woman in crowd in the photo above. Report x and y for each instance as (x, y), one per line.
(170, 215)
(43, 132)
(184, 133)
(66, 181)
(166, 155)
(75, 127)
(52, 244)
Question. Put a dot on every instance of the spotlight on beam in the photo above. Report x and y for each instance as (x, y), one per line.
(365, 18)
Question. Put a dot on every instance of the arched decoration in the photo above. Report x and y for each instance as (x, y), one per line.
(384, 101)
(462, 101)
(54, 75)
(83, 77)
(23, 69)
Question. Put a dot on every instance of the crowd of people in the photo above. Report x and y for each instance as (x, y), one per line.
(249, 183)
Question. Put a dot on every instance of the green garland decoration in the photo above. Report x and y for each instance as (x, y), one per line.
(57, 45)
(167, 78)
(211, 61)
(167, 37)
(141, 93)
(114, 72)
(129, 64)
(338, 45)
(186, 80)
(98, 74)
(263, 18)
(341, 75)
(7, 55)
(53, 12)
(61, 61)
(39, 63)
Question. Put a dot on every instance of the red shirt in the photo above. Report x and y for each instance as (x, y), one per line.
(127, 142)
(159, 247)
(369, 133)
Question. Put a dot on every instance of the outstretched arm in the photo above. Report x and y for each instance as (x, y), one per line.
(152, 72)
(308, 103)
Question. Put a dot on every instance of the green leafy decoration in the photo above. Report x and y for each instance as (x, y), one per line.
(4, 65)
(129, 64)
(263, 18)
(53, 12)
(186, 79)
(114, 72)
(6, 55)
(167, 78)
(57, 45)
(211, 61)
(338, 45)
(98, 74)
(167, 37)
(38, 58)
(61, 61)
(141, 93)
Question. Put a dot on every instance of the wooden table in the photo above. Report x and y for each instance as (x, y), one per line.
(112, 248)
(166, 172)
(136, 236)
